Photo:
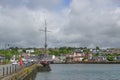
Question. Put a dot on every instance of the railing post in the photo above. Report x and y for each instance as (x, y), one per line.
(15, 68)
(10, 69)
(7, 70)
(3, 71)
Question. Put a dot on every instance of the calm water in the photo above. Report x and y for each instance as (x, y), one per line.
(81, 72)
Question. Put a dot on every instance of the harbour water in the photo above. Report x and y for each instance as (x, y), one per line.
(81, 72)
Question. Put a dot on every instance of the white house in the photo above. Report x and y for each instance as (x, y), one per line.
(30, 51)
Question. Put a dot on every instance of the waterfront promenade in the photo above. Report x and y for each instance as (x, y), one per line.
(9, 69)
(27, 72)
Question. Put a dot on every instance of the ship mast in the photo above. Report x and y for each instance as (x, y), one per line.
(45, 37)
(45, 43)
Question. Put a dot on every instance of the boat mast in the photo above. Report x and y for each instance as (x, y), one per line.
(45, 37)
(45, 42)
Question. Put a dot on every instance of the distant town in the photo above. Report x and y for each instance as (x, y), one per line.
(62, 54)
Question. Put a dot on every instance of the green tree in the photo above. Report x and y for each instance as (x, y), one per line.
(86, 50)
(97, 48)
(110, 58)
(8, 56)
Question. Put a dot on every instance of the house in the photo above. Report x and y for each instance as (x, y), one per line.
(53, 57)
(76, 56)
(114, 50)
(118, 58)
(90, 56)
(30, 51)
(50, 58)
(62, 58)
(69, 57)
(104, 58)
(99, 58)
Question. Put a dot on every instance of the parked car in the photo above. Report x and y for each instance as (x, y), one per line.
(25, 62)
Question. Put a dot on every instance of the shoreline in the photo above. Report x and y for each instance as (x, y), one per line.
(88, 62)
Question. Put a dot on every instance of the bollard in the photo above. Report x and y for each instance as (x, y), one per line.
(3, 71)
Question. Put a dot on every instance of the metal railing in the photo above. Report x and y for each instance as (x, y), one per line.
(11, 69)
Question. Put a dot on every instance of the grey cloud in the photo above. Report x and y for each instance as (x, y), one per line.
(84, 23)
(113, 32)
(95, 23)
(22, 25)
(31, 4)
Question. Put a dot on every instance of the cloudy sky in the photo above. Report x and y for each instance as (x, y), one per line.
(70, 22)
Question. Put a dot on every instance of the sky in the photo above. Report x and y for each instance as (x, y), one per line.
(75, 23)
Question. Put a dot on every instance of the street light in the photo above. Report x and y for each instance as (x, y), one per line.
(5, 48)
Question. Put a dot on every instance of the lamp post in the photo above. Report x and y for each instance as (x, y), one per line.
(16, 52)
(5, 48)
